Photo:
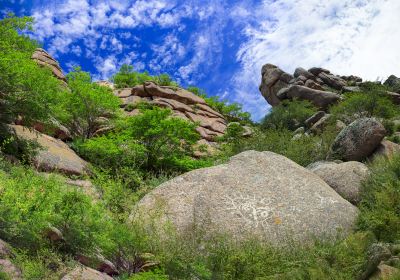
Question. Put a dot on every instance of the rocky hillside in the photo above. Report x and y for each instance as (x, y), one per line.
(112, 179)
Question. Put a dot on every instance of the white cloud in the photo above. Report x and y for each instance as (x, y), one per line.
(346, 36)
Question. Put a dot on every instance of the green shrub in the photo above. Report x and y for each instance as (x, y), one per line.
(127, 77)
(289, 115)
(26, 89)
(29, 204)
(371, 103)
(87, 103)
(380, 211)
(304, 150)
(231, 111)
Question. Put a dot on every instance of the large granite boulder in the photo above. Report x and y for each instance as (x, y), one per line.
(255, 194)
(184, 104)
(273, 80)
(321, 99)
(53, 154)
(86, 273)
(393, 82)
(358, 140)
(45, 59)
(345, 178)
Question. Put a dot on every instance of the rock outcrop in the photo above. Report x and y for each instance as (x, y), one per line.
(54, 155)
(259, 194)
(45, 59)
(183, 104)
(358, 140)
(386, 149)
(317, 85)
(345, 178)
(86, 273)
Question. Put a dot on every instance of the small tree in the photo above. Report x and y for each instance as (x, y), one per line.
(26, 89)
(87, 103)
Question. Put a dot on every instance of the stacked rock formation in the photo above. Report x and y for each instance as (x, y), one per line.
(183, 104)
(317, 85)
(45, 59)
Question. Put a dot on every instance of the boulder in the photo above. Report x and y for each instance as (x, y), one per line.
(345, 178)
(321, 99)
(319, 126)
(385, 272)
(86, 273)
(393, 82)
(314, 118)
(46, 60)
(351, 89)
(54, 155)
(376, 254)
(387, 149)
(255, 194)
(301, 72)
(332, 80)
(313, 85)
(358, 140)
(10, 269)
(317, 70)
(5, 249)
(273, 79)
(395, 97)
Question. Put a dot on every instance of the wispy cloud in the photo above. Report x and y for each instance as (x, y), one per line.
(349, 37)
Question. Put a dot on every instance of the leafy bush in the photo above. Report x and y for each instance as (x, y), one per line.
(31, 203)
(304, 150)
(127, 77)
(153, 141)
(371, 103)
(231, 111)
(87, 103)
(26, 89)
(289, 114)
(379, 207)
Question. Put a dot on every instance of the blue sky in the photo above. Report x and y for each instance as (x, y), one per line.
(219, 45)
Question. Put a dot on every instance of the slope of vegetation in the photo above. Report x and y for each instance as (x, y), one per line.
(138, 153)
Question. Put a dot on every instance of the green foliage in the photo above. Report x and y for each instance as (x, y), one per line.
(87, 103)
(29, 204)
(371, 103)
(289, 114)
(231, 111)
(304, 150)
(150, 275)
(222, 258)
(379, 207)
(26, 89)
(127, 77)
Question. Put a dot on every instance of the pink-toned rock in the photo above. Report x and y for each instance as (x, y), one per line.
(44, 59)
(10, 269)
(54, 154)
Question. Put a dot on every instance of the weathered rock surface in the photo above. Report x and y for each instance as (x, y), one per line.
(260, 194)
(314, 118)
(319, 126)
(387, 149)
(54, 155)
(345, 178)
(393, 81)
(183, 104)
(321, 99)
(272, 81)
(358, 140)
(45, 59)
(5, 249)
(85, 273)
(10, 269)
